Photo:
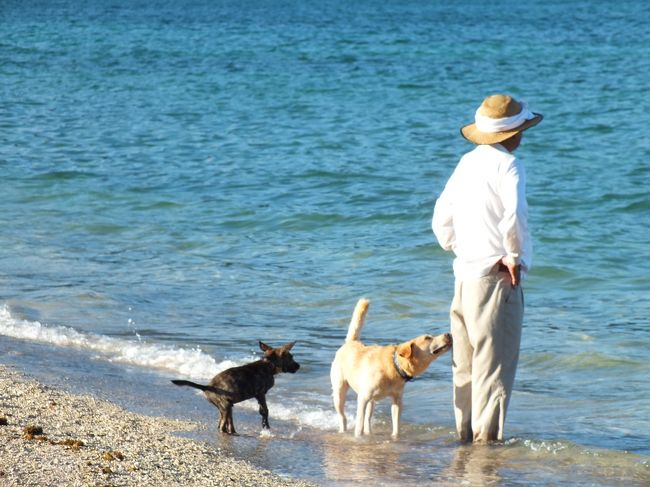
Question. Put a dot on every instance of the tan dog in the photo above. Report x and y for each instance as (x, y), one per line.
(375, 372)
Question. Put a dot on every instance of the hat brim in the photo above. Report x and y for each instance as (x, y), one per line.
(474, 135)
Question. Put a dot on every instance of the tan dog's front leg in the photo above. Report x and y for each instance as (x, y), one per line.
(362, 404)
(396, 411)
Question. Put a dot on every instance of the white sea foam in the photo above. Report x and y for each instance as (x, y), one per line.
(192, 363)
(306, 415)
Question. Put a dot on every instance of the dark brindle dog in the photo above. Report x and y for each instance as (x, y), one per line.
(248, 381)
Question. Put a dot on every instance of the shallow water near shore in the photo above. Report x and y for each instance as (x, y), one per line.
(181, 180)
(294, 448)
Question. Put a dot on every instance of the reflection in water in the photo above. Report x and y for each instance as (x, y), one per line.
(347, 460)
(350, 461)
(476, 465)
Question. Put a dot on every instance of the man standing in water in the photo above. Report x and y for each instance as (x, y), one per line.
(482, 217)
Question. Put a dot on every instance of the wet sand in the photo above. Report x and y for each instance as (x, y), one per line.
(49, 437)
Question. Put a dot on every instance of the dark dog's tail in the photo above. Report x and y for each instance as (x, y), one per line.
(192, 384)
(216, 390)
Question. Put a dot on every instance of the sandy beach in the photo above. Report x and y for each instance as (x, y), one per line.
(49, 437)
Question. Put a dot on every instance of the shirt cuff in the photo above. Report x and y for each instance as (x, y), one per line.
(511, 259)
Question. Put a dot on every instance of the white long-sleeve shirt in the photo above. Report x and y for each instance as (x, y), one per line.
(482, 214)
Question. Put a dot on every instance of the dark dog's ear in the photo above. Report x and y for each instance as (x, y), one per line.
(288, 346)
(264, 347)
(405, 350)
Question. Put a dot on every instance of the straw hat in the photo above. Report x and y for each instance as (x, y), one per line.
(498, 118)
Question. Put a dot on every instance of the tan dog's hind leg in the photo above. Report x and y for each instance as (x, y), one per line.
(362, 404)
(396, 412)
(370, 408)
(339, 391)
(339, 405)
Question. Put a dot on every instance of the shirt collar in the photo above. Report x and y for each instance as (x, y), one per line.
(499, 147)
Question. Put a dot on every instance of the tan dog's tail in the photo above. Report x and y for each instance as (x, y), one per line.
(358, 317)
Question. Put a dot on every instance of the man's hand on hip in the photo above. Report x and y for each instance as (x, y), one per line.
(514, 270)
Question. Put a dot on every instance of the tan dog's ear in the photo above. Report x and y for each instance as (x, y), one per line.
(405, 350)
(264, 347)
(288, 346)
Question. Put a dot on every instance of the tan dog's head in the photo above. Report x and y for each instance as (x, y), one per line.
(418, 353)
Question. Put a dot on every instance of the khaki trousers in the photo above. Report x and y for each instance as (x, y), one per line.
(486, 319)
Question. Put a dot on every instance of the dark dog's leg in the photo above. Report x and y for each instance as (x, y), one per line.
(230, 425)
(264, 411)
(223, 415)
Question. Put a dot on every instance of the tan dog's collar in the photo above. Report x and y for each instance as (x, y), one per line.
(402, 373)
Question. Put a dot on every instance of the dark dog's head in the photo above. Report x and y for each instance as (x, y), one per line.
(280, 357)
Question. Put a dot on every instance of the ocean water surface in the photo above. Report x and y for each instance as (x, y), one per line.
(183, 179)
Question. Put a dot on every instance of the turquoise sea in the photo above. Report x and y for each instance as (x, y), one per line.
(182, 179)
